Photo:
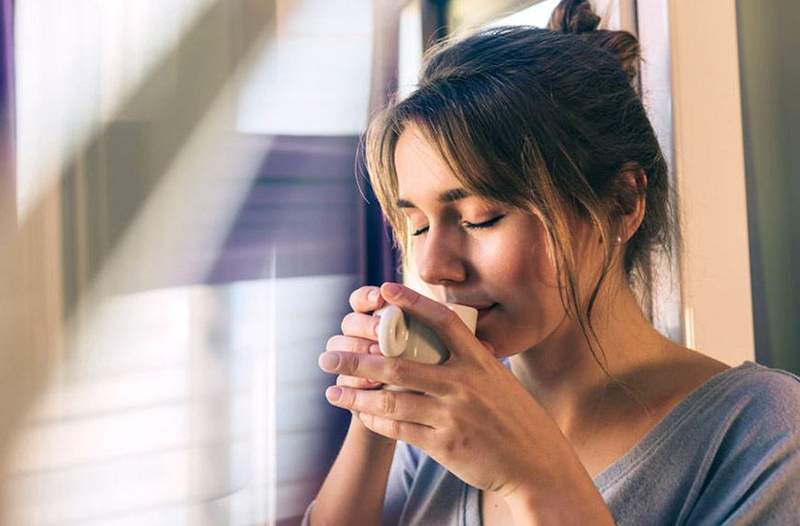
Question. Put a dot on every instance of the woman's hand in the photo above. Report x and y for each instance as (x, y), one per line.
(470, 414)
(358, 334)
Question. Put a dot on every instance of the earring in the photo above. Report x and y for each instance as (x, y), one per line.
(619, 240)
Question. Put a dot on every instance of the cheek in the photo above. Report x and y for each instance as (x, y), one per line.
(523, 261)
(519, 273)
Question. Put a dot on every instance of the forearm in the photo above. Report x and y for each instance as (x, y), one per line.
(571, 499)
(354, 490)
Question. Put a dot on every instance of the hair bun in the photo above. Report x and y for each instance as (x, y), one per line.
(577, 16)
(573, 16)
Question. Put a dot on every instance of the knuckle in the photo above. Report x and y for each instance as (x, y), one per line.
(397, 371)
(350, 398)
(447, 418)
(363, 346)
(388, 402)
(449, 445)
(465, 391)
(345, 363)
(460, 384)
(394, 428)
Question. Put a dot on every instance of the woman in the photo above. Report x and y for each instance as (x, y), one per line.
(529, 180)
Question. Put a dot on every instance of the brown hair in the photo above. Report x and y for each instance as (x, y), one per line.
(545, 120)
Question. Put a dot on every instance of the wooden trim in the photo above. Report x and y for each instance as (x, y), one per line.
(710, 172)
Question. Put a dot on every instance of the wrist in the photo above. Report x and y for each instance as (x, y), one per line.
(364, 433)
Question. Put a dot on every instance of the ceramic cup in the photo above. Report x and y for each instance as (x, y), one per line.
(401, 335)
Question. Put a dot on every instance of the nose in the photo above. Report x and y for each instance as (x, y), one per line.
(440, 258)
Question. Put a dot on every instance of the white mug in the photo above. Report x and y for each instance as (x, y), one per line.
(402, 335)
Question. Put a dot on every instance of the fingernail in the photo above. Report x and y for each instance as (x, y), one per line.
(374, 349)
(392, 289)
(373, 295)
(333, 393)
(329, 361)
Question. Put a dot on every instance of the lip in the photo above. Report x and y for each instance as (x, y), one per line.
(479, 306)
(484, 314)
(485, 310)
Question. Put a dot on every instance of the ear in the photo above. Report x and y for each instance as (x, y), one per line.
(631, 193)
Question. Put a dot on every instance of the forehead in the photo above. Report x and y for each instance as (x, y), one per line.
(421, 171)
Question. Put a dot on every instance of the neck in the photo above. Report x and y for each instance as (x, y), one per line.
(563, 375)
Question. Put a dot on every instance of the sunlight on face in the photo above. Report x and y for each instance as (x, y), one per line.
(471, 251)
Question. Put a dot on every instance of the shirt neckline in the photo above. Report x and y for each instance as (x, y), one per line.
(471, 496)
(665, 427)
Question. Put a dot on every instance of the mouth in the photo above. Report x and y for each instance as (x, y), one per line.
(483, 307)
(483, 311)
(480, 307)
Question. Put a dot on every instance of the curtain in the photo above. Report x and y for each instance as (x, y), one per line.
(207, 233)
(7, 169)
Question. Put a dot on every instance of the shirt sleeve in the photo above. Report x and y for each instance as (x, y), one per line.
(307, 515)
(754, 477)
(401, 477)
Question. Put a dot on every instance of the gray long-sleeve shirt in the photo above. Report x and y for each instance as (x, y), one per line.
(729, 453)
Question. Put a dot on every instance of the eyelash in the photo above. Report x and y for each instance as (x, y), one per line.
(485, 224)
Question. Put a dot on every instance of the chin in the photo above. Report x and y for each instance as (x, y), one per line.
(502, 347)
(497, 348)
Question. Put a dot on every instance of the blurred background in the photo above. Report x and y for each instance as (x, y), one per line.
(184, 213)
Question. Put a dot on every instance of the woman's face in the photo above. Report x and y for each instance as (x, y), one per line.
(473, 252)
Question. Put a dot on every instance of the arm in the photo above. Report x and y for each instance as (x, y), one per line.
(355, 488)
(460, 411)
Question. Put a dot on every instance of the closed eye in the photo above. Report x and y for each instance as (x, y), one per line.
(485, 224)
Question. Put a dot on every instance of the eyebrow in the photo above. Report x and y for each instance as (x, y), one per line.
(445, 197)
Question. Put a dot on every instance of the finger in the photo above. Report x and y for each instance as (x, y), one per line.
(340, 342)
(366, 299)
(361, 325)
(455, 335)
(356, 382)
(404, 406)
(417, 435)
(352, 344)
(433, 379)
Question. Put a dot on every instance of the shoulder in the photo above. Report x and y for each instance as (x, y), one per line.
(752, 423)
(762, 394)
(745, 418)
(750, 406)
